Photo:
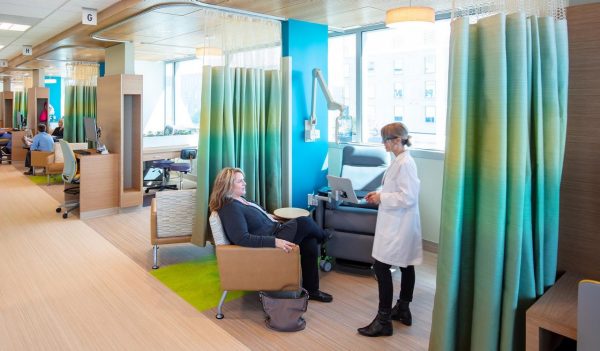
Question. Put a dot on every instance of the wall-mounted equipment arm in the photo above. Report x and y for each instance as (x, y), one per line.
(311, 134)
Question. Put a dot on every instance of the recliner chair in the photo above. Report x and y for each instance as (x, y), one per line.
(353, 225)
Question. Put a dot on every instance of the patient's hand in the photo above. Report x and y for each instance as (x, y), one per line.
(284, 245)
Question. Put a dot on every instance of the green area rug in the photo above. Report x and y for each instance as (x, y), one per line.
(43, 180)
(197, 282)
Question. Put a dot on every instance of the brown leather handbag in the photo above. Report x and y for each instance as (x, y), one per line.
(284, 310)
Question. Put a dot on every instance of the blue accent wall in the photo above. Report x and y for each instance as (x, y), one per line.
(307, 44)
(55, 93)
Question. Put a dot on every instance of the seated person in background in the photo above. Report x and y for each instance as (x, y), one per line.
(57, 133)
(247, 224)
(42, 141)
(5, 134)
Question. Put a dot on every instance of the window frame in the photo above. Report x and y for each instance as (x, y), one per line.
(358, 37)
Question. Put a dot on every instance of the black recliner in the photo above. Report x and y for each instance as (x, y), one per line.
(353, 225)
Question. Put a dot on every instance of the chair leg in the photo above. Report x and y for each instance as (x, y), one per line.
(220, 307)
(155, 257)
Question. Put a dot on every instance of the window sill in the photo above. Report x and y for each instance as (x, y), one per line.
(415, 152)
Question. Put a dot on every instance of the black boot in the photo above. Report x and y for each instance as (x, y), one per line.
(380, 326)
(401, 312)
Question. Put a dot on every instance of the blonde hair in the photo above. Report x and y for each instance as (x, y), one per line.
(396, 130)
(222, 188)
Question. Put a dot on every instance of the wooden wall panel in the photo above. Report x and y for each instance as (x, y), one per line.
(579, 241)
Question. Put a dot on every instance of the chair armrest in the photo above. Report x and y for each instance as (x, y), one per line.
(254, 269)
(153, 233)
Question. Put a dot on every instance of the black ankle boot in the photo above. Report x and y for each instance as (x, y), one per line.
(401, 312)
(380, 326)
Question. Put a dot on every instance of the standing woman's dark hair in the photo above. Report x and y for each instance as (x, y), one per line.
(222, 188)
(396, 130)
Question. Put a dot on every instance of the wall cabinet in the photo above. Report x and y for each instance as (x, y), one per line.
(120, 117)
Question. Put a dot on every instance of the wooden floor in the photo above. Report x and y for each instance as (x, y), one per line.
(64, 287)
(329, 326)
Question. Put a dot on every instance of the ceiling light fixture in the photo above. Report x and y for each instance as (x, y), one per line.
(14, 27)
(395, 17)
(208, 51)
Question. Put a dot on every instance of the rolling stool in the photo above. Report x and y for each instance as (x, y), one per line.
(4, 154)
(184, 167)
(164, 184)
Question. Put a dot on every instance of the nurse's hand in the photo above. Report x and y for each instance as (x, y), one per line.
(284, 245)
(373, 197)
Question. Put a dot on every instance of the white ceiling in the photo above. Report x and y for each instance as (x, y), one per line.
(50, 17)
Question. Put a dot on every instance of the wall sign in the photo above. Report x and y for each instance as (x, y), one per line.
(27, 50)
(3, 63)
(89, 16)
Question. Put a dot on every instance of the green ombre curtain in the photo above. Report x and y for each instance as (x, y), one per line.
(506, 127)
(19, 106)
(240, 126)
(80, 102)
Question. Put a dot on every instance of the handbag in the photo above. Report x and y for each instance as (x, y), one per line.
(284, 313)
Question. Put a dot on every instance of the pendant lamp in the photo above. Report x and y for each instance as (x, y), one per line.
(395, 17)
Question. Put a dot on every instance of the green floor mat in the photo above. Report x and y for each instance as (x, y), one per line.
(197, 282)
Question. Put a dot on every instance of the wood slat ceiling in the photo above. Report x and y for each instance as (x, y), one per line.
(167, 35)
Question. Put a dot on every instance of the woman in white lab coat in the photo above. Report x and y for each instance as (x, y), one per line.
(398, 232)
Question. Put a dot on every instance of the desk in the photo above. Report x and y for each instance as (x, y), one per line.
(554, 312)
(98, 184)
(163, 152)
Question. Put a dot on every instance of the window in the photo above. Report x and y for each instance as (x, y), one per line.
(341, 79)
(188, 89)
(398, 90)
(430, 88)
(403, 78)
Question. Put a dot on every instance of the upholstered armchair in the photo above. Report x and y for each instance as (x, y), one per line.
(172, 216)
(46, 160)
(253, 269)
(353, 226)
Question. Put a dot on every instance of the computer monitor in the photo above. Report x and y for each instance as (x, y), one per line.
(91, 132)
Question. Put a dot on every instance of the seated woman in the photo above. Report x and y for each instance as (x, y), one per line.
(57, 133)
(247, 224)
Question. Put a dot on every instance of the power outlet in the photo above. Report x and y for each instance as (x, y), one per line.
(311, 133)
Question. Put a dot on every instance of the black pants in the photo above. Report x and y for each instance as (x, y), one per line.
(386, 288)
(308, 236)
(28, 159)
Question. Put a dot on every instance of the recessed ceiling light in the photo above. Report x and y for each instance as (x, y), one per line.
(1, 47)
(14, 27)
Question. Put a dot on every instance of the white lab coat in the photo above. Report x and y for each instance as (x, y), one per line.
(398, 230)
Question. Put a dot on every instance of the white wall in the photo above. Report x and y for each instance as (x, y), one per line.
(154, 94)
(430, 166)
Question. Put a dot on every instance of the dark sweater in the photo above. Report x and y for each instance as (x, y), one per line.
(247, 226)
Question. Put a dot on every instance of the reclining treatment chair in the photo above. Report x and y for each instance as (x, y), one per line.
(354, 225)
(253, 269)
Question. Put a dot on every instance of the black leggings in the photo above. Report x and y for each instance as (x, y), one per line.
(308, 236)
(386, 289)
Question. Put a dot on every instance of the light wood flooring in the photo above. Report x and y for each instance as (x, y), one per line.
(329, 326)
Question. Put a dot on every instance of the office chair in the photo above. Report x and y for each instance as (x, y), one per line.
(184, 167)
(71, 179)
